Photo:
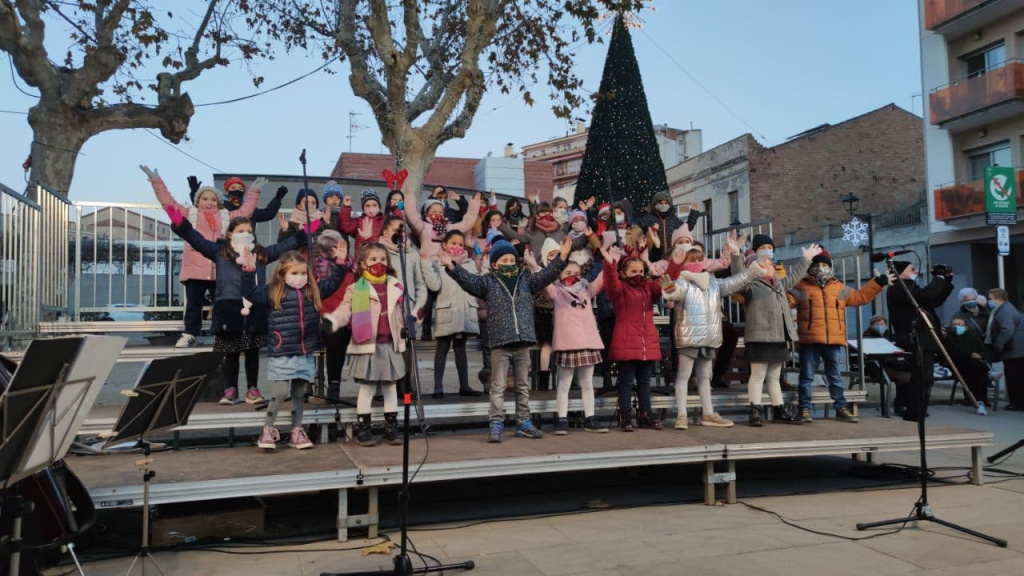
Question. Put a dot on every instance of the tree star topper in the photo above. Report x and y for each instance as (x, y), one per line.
(855, 231)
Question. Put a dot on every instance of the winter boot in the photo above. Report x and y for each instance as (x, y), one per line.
(626, 422)
(364, 436)
(334, 390)
(755, 416)
(784, 413)
(391, 429)
(649, 421)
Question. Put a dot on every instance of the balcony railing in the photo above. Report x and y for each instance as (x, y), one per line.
(937, 12)
(999, 84)
(965, 197)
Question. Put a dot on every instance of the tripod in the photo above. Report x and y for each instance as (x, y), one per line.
(147, 474)
(1005, 451)
(922, 509)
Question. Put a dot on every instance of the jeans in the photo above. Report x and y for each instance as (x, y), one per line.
(810, 355)
(195, 299)
(638, 371)
(517, 358)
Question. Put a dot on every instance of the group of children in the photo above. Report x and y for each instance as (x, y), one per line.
(582, 284)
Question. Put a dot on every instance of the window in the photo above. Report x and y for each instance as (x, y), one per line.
(573, 167)
(995, 155)
(980, 62)
(709, 221)
(734, 208)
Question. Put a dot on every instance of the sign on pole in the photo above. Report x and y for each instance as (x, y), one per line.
(1003, 240)
(1000, 196)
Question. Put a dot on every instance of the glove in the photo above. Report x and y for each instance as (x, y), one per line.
(151, 174)
(175, 215)
(282, 191)
(258, 183)
(193, 185)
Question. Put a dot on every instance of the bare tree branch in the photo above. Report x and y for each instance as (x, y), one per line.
(25, 45)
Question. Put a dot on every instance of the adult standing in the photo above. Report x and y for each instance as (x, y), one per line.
(1006, 338)
(972, 310)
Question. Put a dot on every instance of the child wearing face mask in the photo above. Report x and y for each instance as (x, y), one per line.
(335, 343)
(663, 219)
(541, 227)
(697, 326)
(560, 212)
(821, 301)
(635, 342)
(238, 325)
(209, 217)
(307, 211)
(509, 294)
(373, 308)
(294, 305)
(769, 326)
(367, 226)
(455, 314)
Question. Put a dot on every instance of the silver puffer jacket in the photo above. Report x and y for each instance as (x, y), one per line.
(698, 319)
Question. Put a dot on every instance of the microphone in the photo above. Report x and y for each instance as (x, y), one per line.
(887, 255)
(302, 157)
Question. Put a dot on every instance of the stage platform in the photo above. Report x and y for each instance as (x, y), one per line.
(196, 475)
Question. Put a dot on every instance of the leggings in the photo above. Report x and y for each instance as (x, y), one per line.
(365, 398)
(279, 391)
(759, 372)
(230, 369)
(686, 365)
(586, 381)
(458, 343)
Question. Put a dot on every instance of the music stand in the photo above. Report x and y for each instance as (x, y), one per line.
(42, 410)
(163, 398)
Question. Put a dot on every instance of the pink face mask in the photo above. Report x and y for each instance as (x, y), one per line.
(455, 251)
(296, 281)
(371, 212)
(695, 267)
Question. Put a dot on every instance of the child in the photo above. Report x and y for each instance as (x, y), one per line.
(335, 343)
(332, 204)
(237, 325)
(769, 326)
(373, 307)
(576, 342)
(509, 294)
(365, 228)
(697, 327)
(455, 315)
(514, 214)
(307, 212)
(294, 324)
(210, 219)
(635, 343)
(234, 195)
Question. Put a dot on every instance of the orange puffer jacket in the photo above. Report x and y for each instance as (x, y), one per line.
(821, 311)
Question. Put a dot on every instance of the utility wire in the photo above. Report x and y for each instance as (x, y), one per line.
(180, 151)
(278, 87)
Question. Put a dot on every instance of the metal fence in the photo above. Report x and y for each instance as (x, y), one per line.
(34, 260)
(715, 241)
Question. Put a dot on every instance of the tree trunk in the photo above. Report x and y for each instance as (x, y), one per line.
(57, 139)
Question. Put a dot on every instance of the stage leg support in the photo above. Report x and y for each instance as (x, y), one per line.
(373, 513)
(712, 478)
(370, 520)
(342, 521)
(978, 472)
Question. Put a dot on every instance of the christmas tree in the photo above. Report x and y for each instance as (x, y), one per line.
(621, 147)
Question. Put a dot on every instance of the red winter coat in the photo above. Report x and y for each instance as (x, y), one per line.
(350, 226)
(635, 336)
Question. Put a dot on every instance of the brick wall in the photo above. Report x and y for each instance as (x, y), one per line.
(878, 156)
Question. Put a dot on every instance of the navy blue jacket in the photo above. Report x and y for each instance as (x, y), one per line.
(227, 305)
(294, 329)
(268, 212)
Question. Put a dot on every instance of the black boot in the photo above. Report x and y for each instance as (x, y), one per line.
(391, 429)
(364, 436)
(755, 416)
(626, 422)
(784, 413)
(543, 380)
(648, 420)
(718, 383)
(334, 390)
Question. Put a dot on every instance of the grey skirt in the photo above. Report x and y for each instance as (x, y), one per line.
(766, 352)
(384, 365)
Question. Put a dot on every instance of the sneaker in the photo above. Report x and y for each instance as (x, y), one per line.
(562, 427)
(269, 437)
(230, 397)
(495, 433)
(528, 430)
(682, 422)
(981, 410)
(186, 341)
(298, 439)
(591, 424)
(844, 415)
(805, 415)
(253, 396)
(715, 420)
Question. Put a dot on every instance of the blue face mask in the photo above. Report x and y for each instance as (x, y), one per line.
(878, 329)
(913, 277)
(971, 305)
(401, 205)
(960, 330)
(768, 254)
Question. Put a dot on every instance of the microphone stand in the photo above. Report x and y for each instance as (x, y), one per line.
(922, 509)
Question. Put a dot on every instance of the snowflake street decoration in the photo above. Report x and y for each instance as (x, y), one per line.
(855, 232)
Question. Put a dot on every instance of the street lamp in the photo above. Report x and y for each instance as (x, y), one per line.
(851, 201)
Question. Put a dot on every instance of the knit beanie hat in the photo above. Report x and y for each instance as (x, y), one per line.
(574, 214)
(662, 196)
(369, 194)
(303, 192)
(900, 265)
(332, 188)
(824, 257)
(231, 182)
(682, 232)
(762, 240)
(546, 248)
(199, 194)
(500, 248)
(426, 206)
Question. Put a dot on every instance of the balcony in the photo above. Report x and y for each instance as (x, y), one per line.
(965, 197)
(953, 18)
(956, 106)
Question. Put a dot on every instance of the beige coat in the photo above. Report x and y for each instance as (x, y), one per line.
(342, 316)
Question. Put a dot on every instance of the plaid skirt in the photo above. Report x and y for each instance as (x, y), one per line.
(577, 358)
(235, 342)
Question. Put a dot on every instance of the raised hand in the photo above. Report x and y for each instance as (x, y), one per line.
(175, 215)
(347, 201)
(151, 174)
(341, 252)
(533, 198)
(530, 259)
(453, 195)
(679, 255)
(652, 234)
(366, 229)
(248, 257)
(479, 197)
(565, 249)
(611, 255)
(811, 251)
(282, 220)
(590, 202)
(445, 260)
(193, 184)
(258, 184)
(282, 191)
(742, 239)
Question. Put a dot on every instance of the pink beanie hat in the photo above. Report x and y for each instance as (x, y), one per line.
(682, 232)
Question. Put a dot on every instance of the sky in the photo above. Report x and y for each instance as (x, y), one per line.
(728, 67)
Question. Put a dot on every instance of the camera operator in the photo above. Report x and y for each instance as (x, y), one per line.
(906, 326)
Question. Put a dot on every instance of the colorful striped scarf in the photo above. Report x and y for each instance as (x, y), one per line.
(362, 319)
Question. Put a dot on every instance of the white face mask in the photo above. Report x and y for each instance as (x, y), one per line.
(296, 281)
(620, 219)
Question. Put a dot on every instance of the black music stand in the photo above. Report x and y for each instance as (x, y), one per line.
(51, 392)
(163, 398)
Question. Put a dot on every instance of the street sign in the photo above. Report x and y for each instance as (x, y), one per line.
(1003, 240)
(1000, 195)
